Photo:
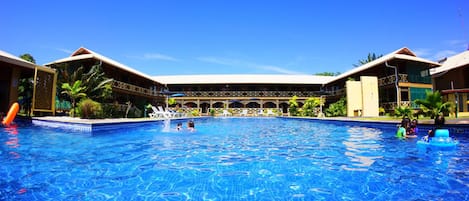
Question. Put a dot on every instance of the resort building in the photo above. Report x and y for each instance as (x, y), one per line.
(254, 92)
(37, 85)
(452, 80)
(129, 85)
(402, 78)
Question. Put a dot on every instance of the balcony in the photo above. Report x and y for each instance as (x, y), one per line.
(250, 93)
(133, 89)
(392, 79)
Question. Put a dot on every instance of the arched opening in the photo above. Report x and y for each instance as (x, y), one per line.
(190, 105)
(236, 105)
(204, 106)
(284, 107)
(253, 105)
(218, 105)
(270, 105)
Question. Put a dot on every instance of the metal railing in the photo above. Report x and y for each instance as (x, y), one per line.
(388, 80)
(250, 93)
(134, 89)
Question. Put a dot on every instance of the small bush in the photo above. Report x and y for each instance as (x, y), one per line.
(195, 113)
(89, 109)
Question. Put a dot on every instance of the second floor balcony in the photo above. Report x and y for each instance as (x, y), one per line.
(250, 93)
(133, 89)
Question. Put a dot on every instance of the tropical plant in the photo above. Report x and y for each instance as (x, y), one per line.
(172, 101)
(212, 112)
(402, 112)
(433, 104)
(28, 57)
(195, 113)
(382, 111)
(75, 92)
(25, 94)
(309, 109)
(98, 86)
(293, 109)
(336, 109)
(89, 109)
(369, 58)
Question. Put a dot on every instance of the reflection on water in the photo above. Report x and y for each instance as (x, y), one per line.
(362, 147)
(12, 140)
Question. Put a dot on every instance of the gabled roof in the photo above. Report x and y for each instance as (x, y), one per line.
(243, 79)
(84, 53)
(453, 62)
(9, 58)
(403, 53)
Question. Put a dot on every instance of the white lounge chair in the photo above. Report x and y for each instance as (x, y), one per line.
(261, 112)
(270, 112)
(164, 113)
(226, 113)
(244, 112)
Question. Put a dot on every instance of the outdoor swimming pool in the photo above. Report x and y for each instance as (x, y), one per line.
(228, 159)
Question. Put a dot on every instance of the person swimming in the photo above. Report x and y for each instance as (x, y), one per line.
(191, 125)
(179, 127)
(411, 131)
(439, 123)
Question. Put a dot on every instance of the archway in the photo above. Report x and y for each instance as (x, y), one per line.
(270, 105)
(204, 106)
(218, 105)
(284, 107)
(253, 105)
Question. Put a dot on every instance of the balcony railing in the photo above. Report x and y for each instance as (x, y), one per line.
(392, 79)
(134, 89)
(250, 93)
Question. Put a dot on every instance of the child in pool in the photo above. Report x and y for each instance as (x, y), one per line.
(191, 126)
(412, 130)
(439, 123)
(179, 127)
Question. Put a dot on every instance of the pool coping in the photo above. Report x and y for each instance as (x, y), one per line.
(455, 126)
(460, 126)
(93, 125)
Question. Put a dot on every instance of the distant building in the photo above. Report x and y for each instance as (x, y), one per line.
(128, 85)
(452, 80)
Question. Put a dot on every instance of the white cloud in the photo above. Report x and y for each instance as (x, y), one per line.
(221, 61)
(246, 64)
(158, 56)
(64, 50)
(279, 70)
(444, 53)
(422, 52)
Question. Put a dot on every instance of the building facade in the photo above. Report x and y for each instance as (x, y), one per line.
(452, 80)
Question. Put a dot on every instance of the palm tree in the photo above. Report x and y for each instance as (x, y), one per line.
(75, 92)
(99, 86)
(433, 104)
(371, 57)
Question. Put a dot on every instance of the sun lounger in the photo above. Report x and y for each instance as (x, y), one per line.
(226, 113)
(271, 113)
(244, 112)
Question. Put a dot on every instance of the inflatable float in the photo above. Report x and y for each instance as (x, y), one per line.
(441, 140)
(11, 114)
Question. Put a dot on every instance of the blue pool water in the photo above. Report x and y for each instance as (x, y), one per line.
(228, 159)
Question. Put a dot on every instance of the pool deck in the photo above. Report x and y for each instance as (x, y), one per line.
(460, 126)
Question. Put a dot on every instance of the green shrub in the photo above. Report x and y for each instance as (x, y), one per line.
(195, 113)
(89, 109)
(336, 109)
(293, 106)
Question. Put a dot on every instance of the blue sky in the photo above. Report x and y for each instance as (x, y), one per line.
(234, 37)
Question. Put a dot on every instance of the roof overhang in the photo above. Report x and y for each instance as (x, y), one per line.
(11, 59)
(403, 54)
(83, 53)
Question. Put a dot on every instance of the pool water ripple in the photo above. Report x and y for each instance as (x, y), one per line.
(229, 159)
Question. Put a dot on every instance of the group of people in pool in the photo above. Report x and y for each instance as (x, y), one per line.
(190, 126)
(410, 127)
